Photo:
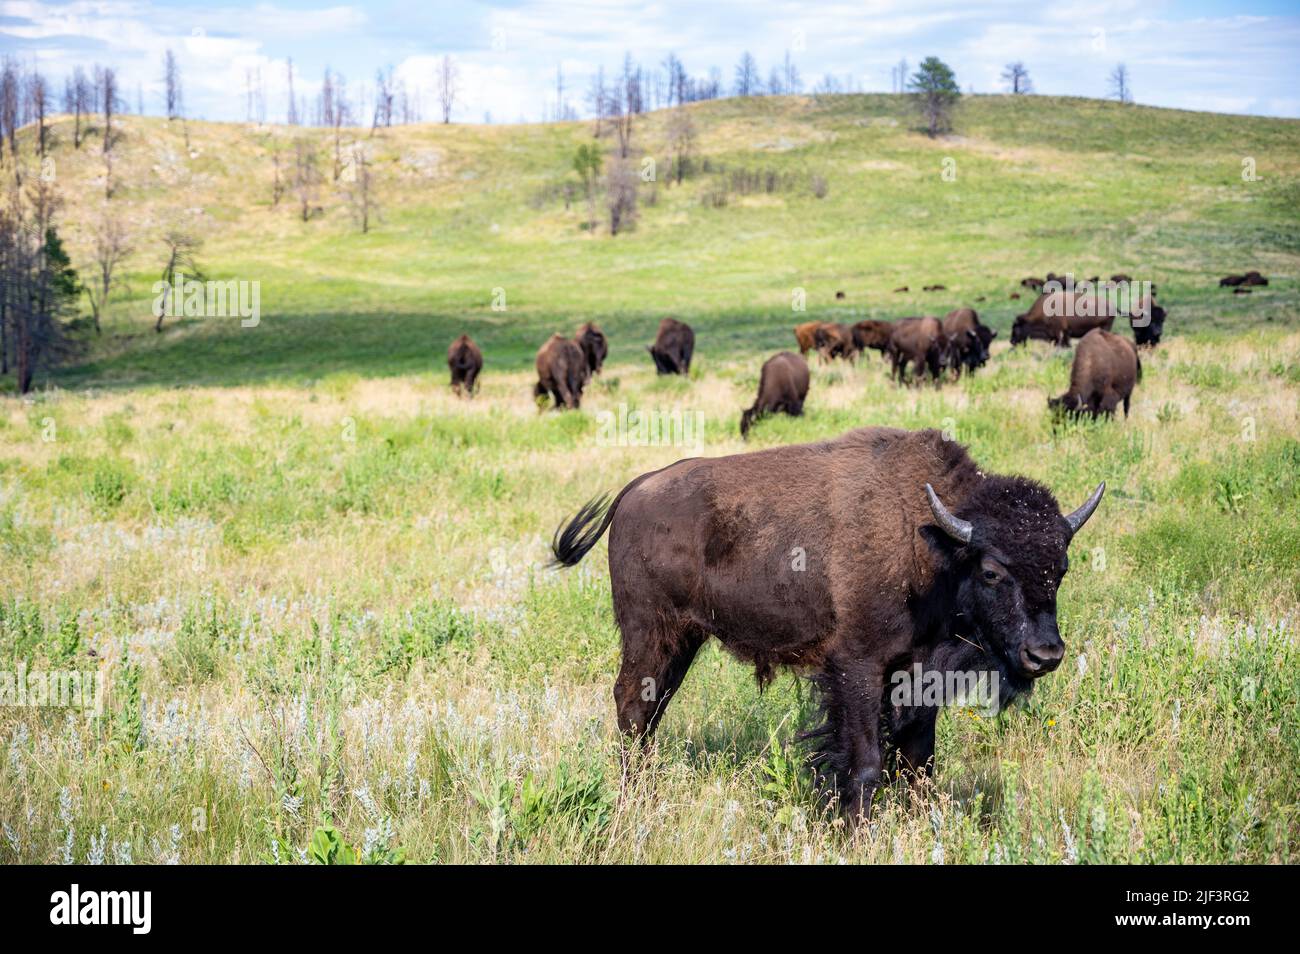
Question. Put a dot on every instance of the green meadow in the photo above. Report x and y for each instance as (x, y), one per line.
(311, 583)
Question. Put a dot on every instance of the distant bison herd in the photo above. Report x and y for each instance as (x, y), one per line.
(1106, 366)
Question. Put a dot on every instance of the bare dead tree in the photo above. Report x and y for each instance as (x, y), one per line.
(383, 100)
(342, 116)
(277, 184)
(306, 177)
(1119, 84)
(76, 100)
(10, 105)
(598, 100)
(361, 196)
(182, 253)
(1016, 76)
(38, 103)
(172, 85)
(111, 246)
(291, 115)
(448, 85)
(681, 141)
(621, 183)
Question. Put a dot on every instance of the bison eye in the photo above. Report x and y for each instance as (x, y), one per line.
(990, 576)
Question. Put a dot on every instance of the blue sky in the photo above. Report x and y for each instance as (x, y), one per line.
(1201, 54)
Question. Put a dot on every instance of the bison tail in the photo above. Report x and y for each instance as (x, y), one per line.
(572, 540)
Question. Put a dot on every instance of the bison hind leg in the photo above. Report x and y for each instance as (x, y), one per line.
(655, 662)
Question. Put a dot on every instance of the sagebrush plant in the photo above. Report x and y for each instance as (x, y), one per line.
(315, 582)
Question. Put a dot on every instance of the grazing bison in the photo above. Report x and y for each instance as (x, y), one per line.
(673, 347)
(834, 341)
(851, 559)
(805, 335)
(1059, 315)
(1033, 284)
(968, 340)
(1147, 319)
(870, 333)
(466, 361)
(1106, 366)
(919, 342)
(900, 288)
(782, 387)
(839, 296)
(934, 288)
(594, 345)
(1249, 278)
(562, 371)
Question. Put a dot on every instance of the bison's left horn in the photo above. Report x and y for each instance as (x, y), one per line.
(1077, 519)
(955, 527)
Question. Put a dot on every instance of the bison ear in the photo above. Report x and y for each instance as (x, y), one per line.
(960, 530)
(1077, 519)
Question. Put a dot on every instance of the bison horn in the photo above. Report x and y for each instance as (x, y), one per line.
(955, 527)
(1077, 519)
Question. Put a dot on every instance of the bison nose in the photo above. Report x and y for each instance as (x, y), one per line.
(1039, 659)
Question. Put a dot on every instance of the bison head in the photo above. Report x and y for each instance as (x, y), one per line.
(1007, 553)
(1019, 331)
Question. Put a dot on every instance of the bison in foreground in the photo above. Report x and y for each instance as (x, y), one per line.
(1106, 367)
(465, 361)
(782, 387)
(562, 372)
(853, 560)
(594, 345)
(673, 347)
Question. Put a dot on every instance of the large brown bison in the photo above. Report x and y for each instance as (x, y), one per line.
(968, 340)
(805, 335)
(673, 347)
(562, 371)
(919, 342)
(1061, 314)
(782, 387)
(594, 345)
(851, 559)
(465, 361)
(1106, 367)
(870, 333)
(834, 341)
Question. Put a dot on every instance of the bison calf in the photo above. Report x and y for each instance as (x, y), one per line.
(465, 361)
(1106, 367)
(594, 345)
(782, 387)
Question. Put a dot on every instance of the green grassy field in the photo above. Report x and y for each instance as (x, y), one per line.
(313, 580)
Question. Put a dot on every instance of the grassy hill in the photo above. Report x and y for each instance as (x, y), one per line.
(314, 582)
(1041, 183)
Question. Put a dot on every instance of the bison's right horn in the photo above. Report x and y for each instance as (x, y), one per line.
(1077, 519)
(955, 527)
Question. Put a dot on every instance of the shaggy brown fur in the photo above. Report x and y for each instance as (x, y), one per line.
(1250, 278)
(919, 342)
(968, 340)
(561, 371)
(827, 558)
(594, 345)
(465, 361)
(834, 341)
(782, 387)
(805, 335)
(870, 333)
(673, 347)
(1106, 367)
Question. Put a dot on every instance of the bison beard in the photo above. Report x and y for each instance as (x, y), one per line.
(838, 560)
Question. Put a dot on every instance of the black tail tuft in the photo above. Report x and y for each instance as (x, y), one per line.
(573, 539)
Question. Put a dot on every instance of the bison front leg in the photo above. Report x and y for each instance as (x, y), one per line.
(849, 759)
